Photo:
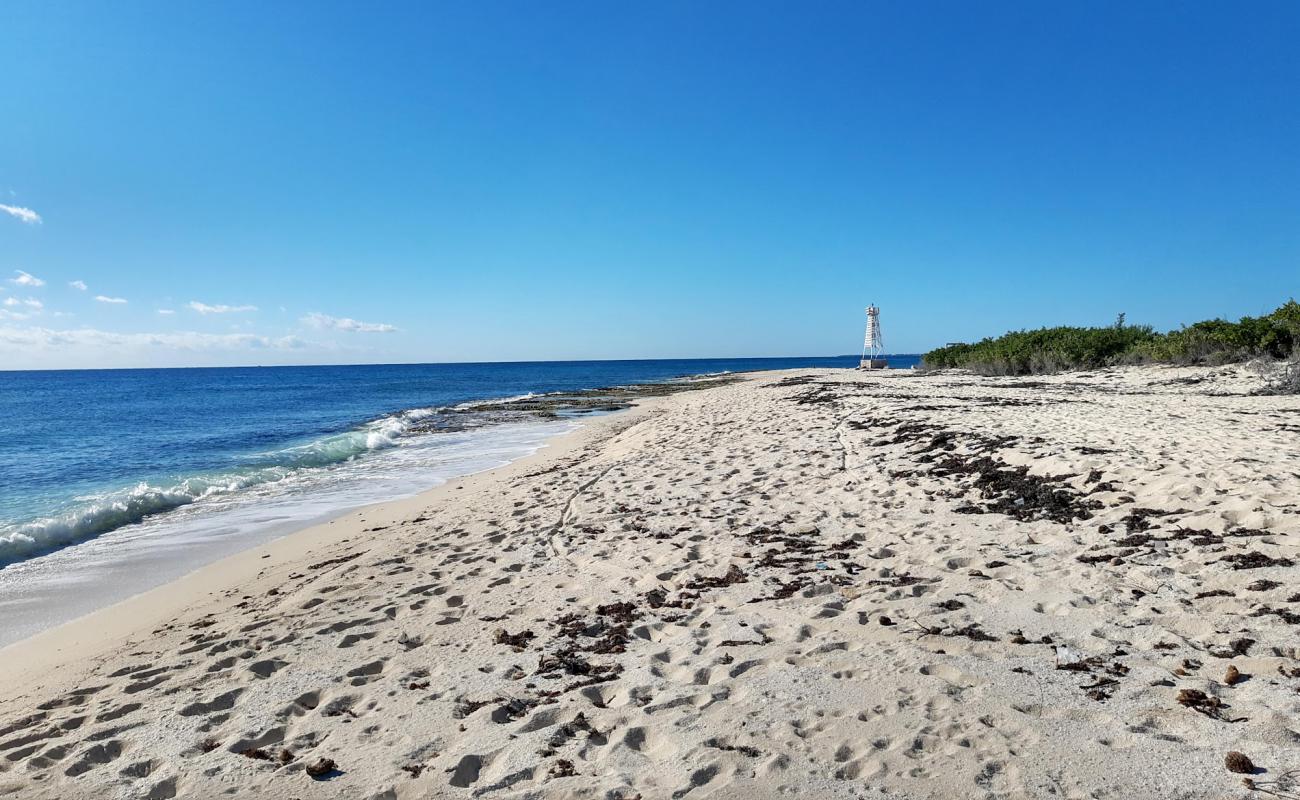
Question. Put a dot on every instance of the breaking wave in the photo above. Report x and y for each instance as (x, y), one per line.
(91, 516)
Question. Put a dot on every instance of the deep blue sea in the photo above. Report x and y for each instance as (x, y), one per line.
(112, 481)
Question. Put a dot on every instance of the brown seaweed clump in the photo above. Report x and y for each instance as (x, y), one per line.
(1238, 763)
(562, 768)
(1254, 559)
(517, 641)
(1195, 698)
(1208, 705)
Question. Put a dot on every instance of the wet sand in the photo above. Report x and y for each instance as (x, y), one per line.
(811, 583)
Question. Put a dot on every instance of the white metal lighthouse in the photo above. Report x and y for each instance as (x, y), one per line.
(873, 345)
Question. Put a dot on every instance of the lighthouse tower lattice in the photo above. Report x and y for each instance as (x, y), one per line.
(873, 345)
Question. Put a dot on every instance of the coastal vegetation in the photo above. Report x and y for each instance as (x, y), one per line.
(1216, 341)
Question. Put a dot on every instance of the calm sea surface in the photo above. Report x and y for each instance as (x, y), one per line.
(115, 481)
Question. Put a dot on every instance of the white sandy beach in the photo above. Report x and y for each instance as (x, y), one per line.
(809, 583)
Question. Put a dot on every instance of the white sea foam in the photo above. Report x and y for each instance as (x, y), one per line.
(94, 515)
(208, 519)
(473, 404)
(98, 514)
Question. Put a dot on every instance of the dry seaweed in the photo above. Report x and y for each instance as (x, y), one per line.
(1254, 559)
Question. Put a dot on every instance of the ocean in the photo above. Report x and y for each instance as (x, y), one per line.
(116, 481)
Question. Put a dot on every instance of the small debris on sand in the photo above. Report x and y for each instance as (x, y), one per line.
(321, 767)
(518, 641)
(1195, 698)
(562, 768)
(1256, 560)
(1239, 763)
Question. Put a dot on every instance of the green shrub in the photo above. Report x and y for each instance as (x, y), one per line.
(1288, 316)
(1073, 348)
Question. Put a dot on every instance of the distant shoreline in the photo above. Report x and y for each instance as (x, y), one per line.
(455, 363)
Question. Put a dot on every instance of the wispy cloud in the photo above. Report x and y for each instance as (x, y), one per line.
(26, 279)
(326, 322)
(21, 308)
(204, 308)
(45, 338)
(167, 312)
(78, 285)
(26, 343)
(24, 215)
(113, 300)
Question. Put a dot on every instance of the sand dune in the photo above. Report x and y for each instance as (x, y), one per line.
(817, 584)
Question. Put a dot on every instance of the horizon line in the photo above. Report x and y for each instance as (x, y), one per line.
(445, 363)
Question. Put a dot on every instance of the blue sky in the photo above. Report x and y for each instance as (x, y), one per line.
(348, 182)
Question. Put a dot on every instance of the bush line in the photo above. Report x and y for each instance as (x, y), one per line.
(1060, 349)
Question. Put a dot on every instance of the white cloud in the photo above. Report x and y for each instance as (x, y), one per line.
(204, 308)
(24, 308)
(26, 343)
(45, 338)
(326, 322)
(114, 300)
(25, 215)
(166, 311)
(27, 279)
(78, 285)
